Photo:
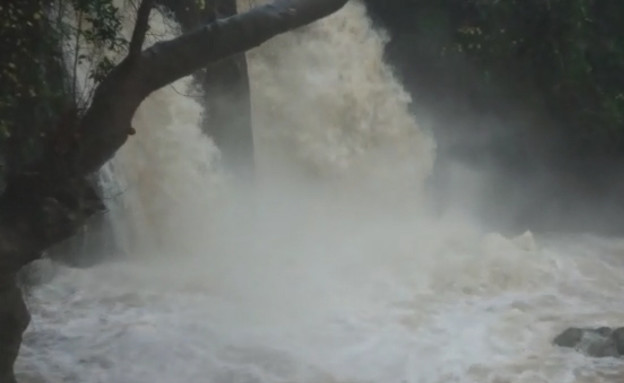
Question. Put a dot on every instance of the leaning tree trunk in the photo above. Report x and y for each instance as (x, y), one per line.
(53, 200)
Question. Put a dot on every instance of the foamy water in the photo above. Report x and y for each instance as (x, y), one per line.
(411, 306)
(330, 269)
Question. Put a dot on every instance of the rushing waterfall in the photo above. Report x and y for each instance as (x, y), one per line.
(329, 269)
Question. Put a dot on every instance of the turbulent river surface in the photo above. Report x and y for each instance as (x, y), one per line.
(329, 267)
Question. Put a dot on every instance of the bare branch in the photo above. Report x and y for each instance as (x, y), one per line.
(140, 28)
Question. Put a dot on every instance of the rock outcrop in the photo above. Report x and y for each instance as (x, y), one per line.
(596, 342)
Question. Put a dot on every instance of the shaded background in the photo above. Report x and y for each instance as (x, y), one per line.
(528, 96)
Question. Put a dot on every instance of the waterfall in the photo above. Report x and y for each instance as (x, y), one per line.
(325, 103)
(328, 269)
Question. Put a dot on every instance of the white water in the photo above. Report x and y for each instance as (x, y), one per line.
(329, 270)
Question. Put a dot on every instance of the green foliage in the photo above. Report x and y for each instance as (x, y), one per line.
(104, 23)
(561, 61)
(38, 75)
(572, 51)
(27, 93)
(96, 35)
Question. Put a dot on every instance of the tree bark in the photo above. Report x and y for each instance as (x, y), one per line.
(140, 28)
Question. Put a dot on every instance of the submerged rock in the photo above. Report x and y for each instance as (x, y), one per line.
(596, 342)
(569, 338)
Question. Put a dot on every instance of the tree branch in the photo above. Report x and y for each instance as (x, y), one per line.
(168, 61)
(106, 124)
(140, 28)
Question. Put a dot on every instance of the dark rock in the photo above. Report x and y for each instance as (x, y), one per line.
(569, 338)
(618, 339)
(595, 342)
(14, 319)
(96, 241)
(37, 273)
(597, 345)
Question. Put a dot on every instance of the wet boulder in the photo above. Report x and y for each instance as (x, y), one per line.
(596, 342)
(618, 337)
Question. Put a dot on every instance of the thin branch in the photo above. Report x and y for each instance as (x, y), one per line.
(140, 28)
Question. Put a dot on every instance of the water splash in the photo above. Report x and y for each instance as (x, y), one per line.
(325, 105)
